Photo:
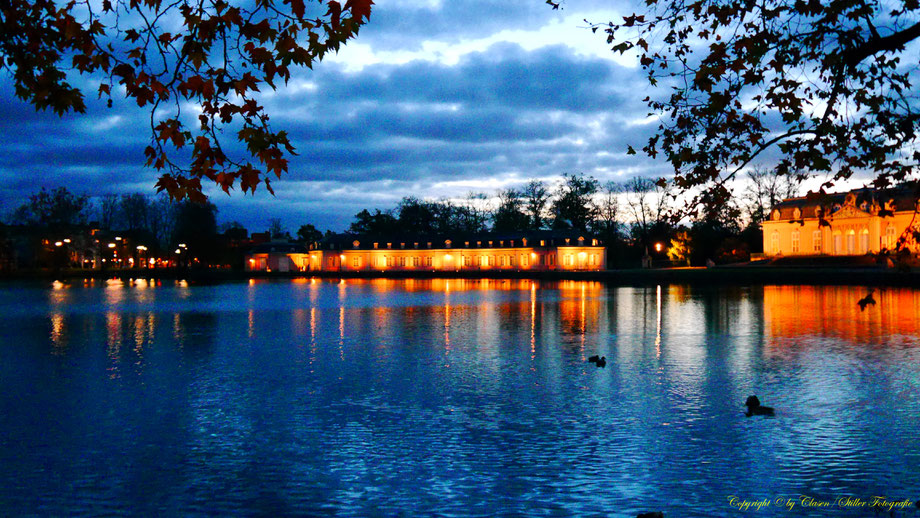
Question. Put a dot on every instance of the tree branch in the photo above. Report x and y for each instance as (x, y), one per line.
(896, 41)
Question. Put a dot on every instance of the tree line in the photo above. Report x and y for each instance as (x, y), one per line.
(632, 217)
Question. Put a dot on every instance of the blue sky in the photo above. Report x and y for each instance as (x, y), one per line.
(435, 98)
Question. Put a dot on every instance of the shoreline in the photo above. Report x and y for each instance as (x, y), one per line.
(724, 275)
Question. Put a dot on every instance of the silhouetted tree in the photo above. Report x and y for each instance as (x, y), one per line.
(308, 234)
(196, 227)
(55, 209)
(234, 231)
(109, 211)
(573, 205)
(416, 216)
(276, 229)
(828, 85)
(764, 190)
(509, 217)
(134, 209)
(536, 201)
(648, 203)
(376, 223)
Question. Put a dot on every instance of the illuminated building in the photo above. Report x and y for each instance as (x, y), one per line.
(858, 222)
(537, 251)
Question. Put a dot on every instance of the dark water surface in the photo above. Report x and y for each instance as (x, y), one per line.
(453, 397)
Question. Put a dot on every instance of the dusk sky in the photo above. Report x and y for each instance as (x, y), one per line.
(433, 99)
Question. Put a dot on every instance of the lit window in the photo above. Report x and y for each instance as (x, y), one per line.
(890, 237)
(774, 242)
(816, 240)
(795, 242)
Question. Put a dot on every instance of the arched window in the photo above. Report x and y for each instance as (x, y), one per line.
(864, 241)
(851, 242)
(838, 246)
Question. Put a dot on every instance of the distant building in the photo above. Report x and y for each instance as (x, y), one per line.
(535, 251)
(858, 222)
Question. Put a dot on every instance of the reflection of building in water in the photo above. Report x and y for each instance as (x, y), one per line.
(579, 308)
(853, 223)
(791, 311)
(537, 251)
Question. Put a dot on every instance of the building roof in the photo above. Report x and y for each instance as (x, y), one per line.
(896, 199)
(346, 241)
(279, 247)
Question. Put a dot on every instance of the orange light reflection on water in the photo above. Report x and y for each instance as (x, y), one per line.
(793, 311)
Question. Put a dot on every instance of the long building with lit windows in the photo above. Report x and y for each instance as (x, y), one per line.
(537, 251)
(858, 222)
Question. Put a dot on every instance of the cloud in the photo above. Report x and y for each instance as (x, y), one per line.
(453, 96)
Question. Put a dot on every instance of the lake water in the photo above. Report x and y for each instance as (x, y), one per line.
(454, 398)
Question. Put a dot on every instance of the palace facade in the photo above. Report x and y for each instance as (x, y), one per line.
(537, 251)
(858, 222)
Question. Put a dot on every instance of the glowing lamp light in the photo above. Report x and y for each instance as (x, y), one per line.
(533, 255)
(152, 260)
(658, 247)
(178, 251)
(67, 240)
(142, 248)
(58, 243)
(582, 255)
(342, 257)
(448, 257)
(111, 245)
(117, 238)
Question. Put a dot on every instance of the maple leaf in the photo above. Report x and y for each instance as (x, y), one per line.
(360, 9)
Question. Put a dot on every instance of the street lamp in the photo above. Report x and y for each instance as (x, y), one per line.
(658, 247)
